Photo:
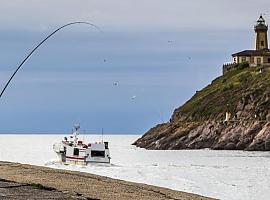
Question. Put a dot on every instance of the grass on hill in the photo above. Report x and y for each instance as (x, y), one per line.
(225, 92)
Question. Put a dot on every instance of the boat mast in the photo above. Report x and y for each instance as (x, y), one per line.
(76, 133)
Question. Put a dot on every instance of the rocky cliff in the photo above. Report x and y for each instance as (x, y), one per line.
(199, 123)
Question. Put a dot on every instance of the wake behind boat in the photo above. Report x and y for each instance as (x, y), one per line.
(74, 151)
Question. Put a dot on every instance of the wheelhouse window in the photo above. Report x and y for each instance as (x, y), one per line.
(97, 153)
(106, 145)
(76, 152)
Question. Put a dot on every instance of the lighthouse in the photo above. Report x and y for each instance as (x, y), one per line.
(261, 41)
(257, 57)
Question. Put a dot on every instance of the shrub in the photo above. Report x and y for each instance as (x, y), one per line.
(242, 65)
(228, 87)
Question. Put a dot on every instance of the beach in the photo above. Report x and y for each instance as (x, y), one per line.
(85, 185)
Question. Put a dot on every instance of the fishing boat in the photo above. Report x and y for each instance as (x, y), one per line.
(71, 150)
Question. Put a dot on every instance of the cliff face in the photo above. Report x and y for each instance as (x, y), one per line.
(199, 123)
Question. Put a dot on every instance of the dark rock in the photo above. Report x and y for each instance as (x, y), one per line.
(17, 191)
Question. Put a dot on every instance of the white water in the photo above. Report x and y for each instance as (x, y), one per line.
(230, 175)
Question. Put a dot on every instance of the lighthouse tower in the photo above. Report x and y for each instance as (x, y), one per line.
(261, 29)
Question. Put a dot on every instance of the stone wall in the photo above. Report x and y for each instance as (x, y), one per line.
(228, 67)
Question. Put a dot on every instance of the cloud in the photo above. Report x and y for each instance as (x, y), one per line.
(133, 14)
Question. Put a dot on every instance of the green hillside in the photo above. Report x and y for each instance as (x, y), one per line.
(227, 93)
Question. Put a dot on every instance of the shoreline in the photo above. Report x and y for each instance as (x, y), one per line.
(86, 185)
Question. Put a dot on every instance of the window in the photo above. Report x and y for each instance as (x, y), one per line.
(106, 145)
(97, 153)
(259, 61)
(76, 152)
(243, 59)
(262, 43)
(268, 60)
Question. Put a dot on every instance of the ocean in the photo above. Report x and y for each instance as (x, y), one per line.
(229, 175)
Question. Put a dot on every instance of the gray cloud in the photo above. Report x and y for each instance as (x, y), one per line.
(133, 14)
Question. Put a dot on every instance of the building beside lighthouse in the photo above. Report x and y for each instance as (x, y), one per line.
(260, 56)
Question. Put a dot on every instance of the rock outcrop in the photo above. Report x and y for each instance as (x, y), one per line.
(199, 123)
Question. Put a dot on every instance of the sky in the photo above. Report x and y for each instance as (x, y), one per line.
(150, 57)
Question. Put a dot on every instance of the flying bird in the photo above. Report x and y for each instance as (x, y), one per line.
(116, 83)
(171, 41)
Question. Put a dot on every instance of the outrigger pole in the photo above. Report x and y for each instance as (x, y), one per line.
(28, 56)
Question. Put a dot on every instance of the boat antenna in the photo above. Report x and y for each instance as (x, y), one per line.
(36, 47)
(102, 135)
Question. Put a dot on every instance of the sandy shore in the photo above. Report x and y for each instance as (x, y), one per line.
(82, 185)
